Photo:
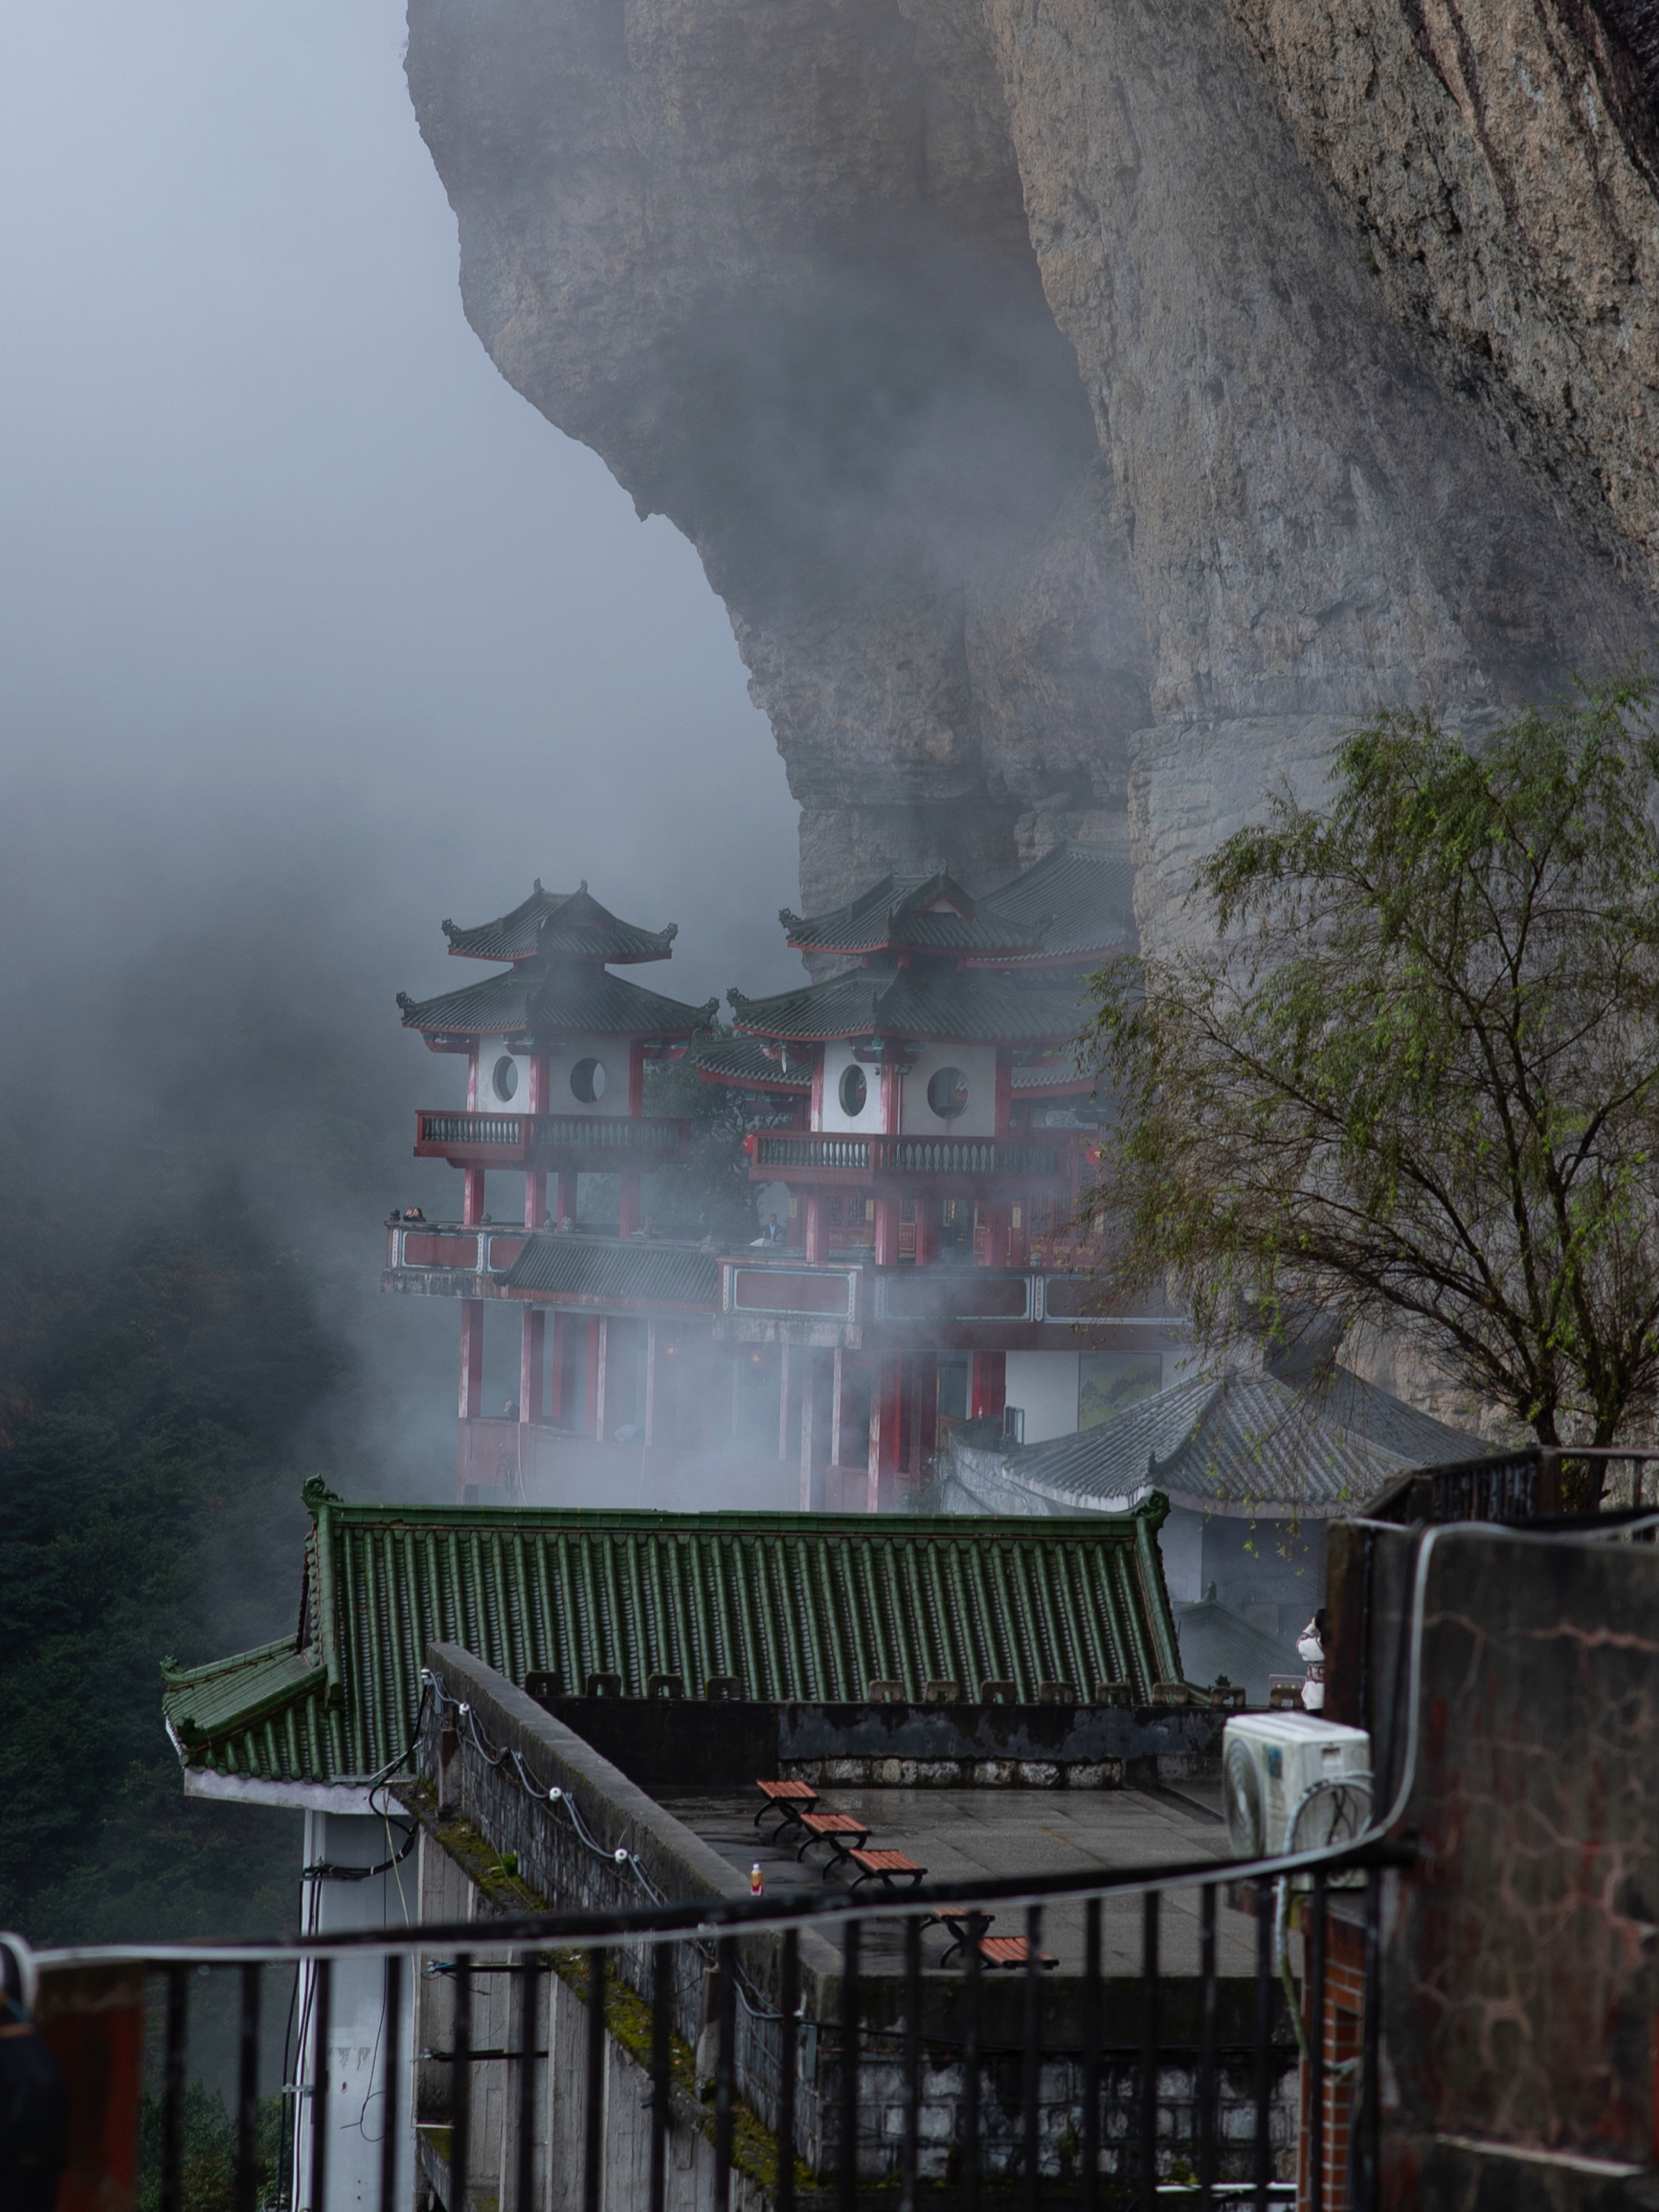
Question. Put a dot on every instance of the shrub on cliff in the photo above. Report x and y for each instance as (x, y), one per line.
(1413, 1077)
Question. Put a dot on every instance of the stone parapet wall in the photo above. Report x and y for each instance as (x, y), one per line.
(476, 1815)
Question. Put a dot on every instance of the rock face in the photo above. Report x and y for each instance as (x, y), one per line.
(1069, 398)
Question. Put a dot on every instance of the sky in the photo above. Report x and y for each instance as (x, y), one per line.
(312, 631)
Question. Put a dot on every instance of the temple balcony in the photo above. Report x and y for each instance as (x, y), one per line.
(936, 1159)
(572, 1143)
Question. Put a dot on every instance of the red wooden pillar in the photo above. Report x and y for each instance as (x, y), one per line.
(532, 1342)
(926, 1228)
(566, 1200)
(837, 1402)
(472, 1196)
(921, 1417)
(601, 1362)
(998, 1218)
(988, 1386)
(591, 1410)
(471, 1358)
(886, 1246)
(535, 1198)
(886, 1394)
(814, 1430)
(556, 1372)
(813, 1206)
(628, 1209)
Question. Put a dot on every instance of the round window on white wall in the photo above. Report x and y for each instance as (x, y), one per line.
(854, 1091)
(947, 1092)
(588, 1081)
(503, 1078)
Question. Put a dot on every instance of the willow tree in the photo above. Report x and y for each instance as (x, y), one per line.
(1409, 1070)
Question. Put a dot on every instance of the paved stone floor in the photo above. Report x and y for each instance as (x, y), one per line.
(957, 1834)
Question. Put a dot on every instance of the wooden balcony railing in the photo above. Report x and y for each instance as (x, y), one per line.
(526, 1139)
(907, 1156)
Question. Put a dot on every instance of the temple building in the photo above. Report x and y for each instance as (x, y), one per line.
(924, 1131)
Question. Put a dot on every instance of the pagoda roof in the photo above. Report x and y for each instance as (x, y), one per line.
(966, 1004)
(745, 1063)
(797, 1606)
(561, 925)
(545, 1003)
(1242, 1443)
(1079, 897)
(915, 914)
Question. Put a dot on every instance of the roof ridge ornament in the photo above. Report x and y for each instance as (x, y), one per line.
(315, 1494)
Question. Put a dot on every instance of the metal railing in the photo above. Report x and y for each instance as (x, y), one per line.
(1516, 1488)
(909, 1155)
(1079, 2105)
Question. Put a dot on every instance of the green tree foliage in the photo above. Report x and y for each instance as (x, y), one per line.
(712, 1195)
(208, 2168)
(1412, 1073)
(154, 1392)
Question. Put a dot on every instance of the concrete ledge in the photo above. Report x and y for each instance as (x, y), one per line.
(688, 1742)
(616, 1810)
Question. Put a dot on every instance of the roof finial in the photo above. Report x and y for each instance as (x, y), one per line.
(583, 885)
(540, 892)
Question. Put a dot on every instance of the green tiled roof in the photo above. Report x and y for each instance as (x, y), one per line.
(562, 999)
(968, 1006)
(566, 924)
(806, 1607)
(603, 1270)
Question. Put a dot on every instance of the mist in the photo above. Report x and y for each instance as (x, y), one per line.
(313, 633)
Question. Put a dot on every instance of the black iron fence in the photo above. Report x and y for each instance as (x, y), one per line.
(1217, 2070)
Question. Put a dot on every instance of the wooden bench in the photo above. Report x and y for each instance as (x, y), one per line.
(1012, 1950)
(789, 1798)
(887, 1867)
(843, 1831)
(994, 1950)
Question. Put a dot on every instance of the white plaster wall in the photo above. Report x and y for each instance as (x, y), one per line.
(1044, 1385)
(977, 1119)
(1182, 1541)
(361, 2100)
(612, 1052)
(489, 1100)
(867, 1123)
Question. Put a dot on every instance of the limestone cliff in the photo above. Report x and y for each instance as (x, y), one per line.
(1079, 399)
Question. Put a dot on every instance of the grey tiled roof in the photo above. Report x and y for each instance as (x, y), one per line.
(746, 1060)
(1241, 1443)
(968, 1006)
(891, 915)
(564, 998)
(1082, 895)
(604, 1269)
(569, 924)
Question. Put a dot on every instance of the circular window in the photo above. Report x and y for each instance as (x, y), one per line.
(854, 1091)
(947, 1092)
(503, 1078)
(588, 1080)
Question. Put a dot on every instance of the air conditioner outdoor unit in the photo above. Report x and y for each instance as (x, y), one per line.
(1294, 1782)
